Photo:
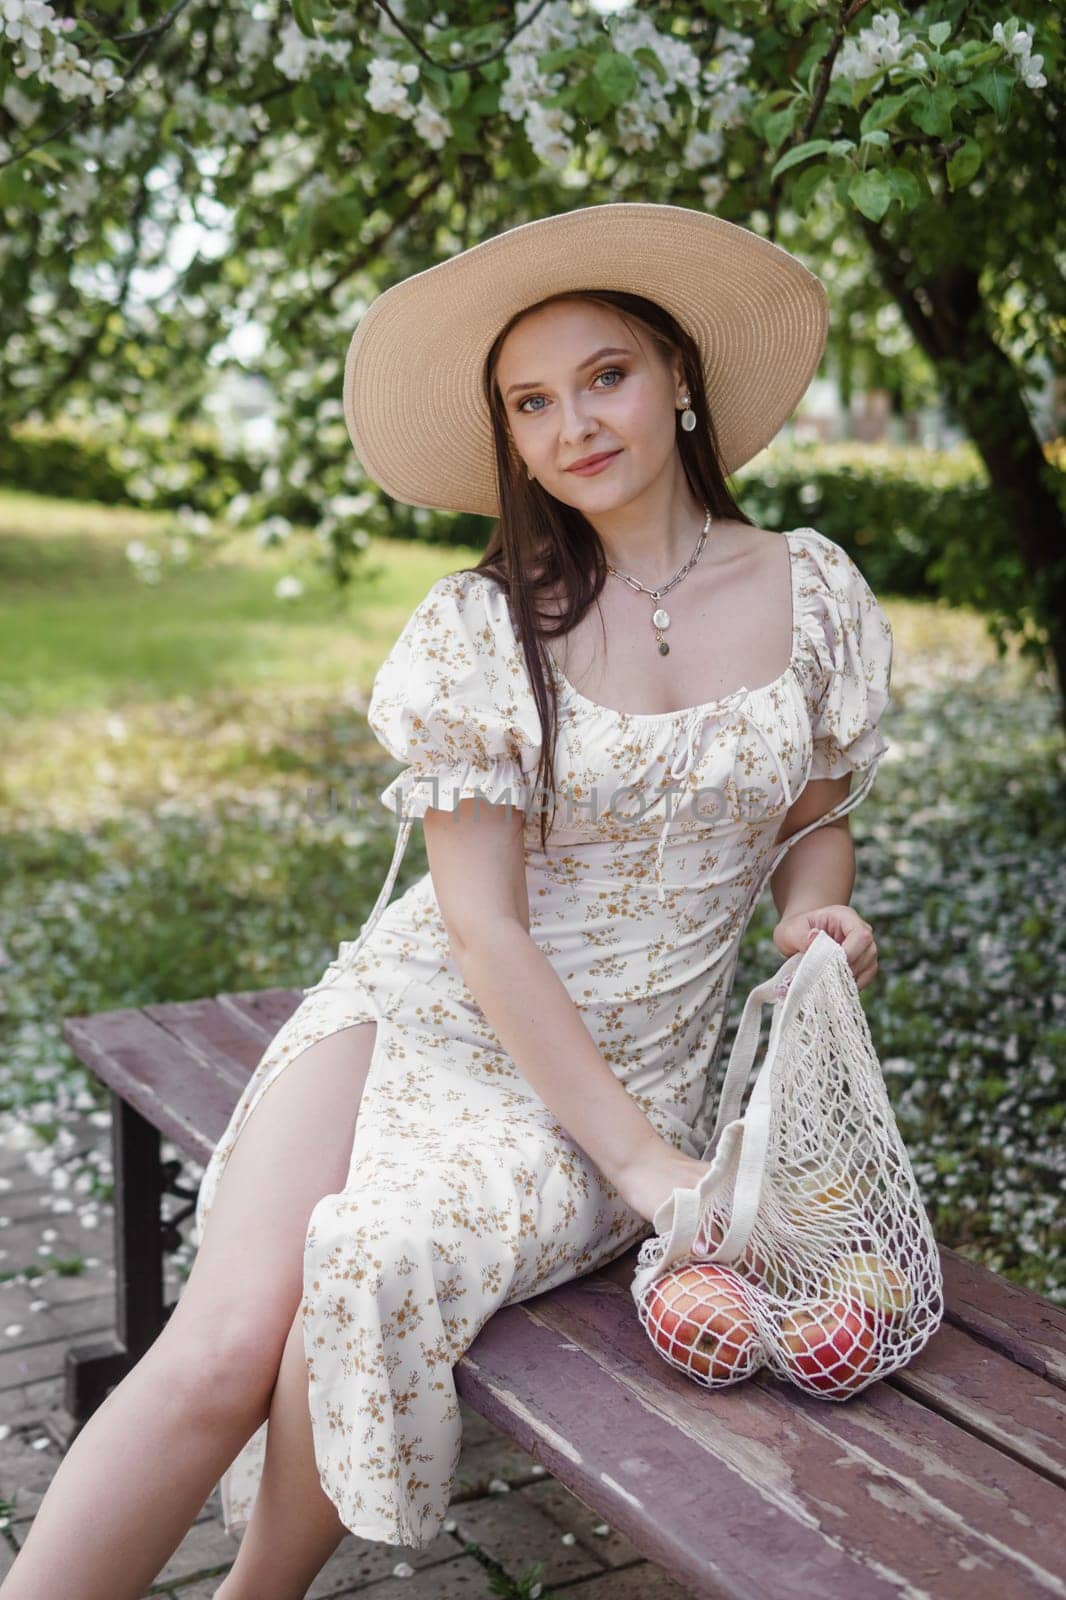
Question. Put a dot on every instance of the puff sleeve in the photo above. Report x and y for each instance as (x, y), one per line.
(453, 702)
(849, 641)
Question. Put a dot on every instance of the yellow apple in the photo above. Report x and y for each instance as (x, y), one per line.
(828, 1188)
(877, 1282)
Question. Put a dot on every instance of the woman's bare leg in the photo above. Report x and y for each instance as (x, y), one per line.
(294, 1527)
(137, 1475)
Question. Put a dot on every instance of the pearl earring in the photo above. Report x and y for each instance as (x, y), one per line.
(688, 416)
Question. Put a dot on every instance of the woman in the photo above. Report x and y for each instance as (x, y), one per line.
(506, 1075)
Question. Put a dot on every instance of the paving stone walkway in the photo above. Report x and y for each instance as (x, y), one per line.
(507, 1514)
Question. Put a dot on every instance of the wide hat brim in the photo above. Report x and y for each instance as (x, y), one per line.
(413, 400)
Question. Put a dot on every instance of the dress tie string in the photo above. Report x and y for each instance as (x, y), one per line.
(350, 951)
(693, 727)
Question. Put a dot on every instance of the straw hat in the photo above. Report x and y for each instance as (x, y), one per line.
(413, 401)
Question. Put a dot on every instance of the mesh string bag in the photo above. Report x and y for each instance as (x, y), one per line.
(805, 1247)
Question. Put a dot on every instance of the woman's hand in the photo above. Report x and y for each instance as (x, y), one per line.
(654, 1177)
(843, 923)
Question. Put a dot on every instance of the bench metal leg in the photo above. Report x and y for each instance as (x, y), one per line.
(142, 1235)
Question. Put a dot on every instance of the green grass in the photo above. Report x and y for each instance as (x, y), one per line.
(169, 750)
(83, 633)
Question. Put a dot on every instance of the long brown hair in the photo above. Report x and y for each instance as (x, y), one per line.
(540, 546)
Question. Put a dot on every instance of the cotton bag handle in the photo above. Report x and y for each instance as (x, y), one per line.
(739, 1142)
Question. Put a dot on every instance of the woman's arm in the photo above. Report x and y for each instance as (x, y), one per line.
(478, 869)
(813, 883)
(816, 870)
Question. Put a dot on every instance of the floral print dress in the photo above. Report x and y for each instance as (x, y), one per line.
(464, 1193)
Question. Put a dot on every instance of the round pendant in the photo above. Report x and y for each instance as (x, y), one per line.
(664, 648)
(661, 618)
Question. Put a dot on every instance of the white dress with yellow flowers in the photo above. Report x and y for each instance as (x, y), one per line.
(464, 1193)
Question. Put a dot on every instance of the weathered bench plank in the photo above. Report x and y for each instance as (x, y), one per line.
(734, 1488)
(1027, 1327)
(152, 1071)
(996, 1398)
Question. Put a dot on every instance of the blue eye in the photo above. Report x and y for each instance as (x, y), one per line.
(607, 371)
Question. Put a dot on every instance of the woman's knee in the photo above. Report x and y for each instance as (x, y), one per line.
(223, 1367)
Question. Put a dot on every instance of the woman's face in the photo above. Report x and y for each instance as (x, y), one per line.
(562, 405)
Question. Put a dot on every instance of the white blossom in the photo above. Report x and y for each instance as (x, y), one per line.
(703, 147)
(877, 48)
(298, 53)
(1031, 74)
(318, 188)
(713, 187)
(26, 21)
(110, 147)
(103, 80)
(19, 105)
(240, 123)
(387, 93)
(1018, 44)
(431, 126)
(76, 193)
(546, 130)
(66, 71)
(251, 37)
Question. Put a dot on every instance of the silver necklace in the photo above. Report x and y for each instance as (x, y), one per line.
(660, 617)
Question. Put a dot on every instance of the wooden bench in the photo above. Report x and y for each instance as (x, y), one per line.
(947, 1479)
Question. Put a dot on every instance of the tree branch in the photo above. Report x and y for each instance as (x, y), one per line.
(848, 13)
(151, 37)
(459, 66)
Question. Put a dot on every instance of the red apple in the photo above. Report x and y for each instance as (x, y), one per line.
(830, 1346)
(701, 1317)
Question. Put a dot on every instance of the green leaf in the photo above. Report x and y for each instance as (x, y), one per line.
(17, 190)
(905, 187)
(977, 54)
(646, 55)
(800, 152)
(870, 193)
(939, 33)
(588, 101)
(465, 134)
(459, 89)
(933, 111)
(305, 101)
(485, 101)
(885, 111)
(301, 14)
(564, 60)
(964, 164)
(994, 87)
(616, 76)
(46, 158)
(805, 184)
(775, 126)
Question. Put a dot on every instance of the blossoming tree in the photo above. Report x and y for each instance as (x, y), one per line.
(165, 182)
